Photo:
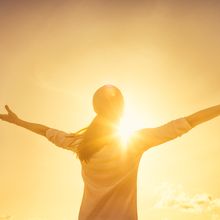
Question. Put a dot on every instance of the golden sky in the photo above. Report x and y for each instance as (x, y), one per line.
(163, 55)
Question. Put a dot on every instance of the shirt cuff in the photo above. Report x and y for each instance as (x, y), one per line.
(50, 132)
(182, 126)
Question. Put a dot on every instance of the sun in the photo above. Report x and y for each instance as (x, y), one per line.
(128, 124)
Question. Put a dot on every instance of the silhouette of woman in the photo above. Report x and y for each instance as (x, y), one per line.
(110, 173)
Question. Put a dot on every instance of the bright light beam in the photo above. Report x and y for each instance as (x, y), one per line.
(129, 123)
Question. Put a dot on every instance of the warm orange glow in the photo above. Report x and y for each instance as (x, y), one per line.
(129, 123)
(163, 55)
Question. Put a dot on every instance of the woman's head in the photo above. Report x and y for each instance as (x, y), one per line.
(108, 102)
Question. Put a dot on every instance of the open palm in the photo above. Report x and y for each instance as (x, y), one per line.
(10, 117)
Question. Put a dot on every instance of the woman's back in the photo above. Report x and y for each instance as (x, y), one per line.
(110, 175)
(110, 184)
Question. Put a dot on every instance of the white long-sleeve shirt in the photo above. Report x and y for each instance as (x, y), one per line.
(110, 176)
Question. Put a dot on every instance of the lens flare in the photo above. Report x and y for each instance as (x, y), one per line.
(129, 123)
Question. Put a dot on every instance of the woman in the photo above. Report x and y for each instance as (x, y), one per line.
(110, 173)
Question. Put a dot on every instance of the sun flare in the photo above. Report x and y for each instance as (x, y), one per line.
(129, 123)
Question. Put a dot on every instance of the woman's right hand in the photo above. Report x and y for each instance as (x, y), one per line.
(10, 116)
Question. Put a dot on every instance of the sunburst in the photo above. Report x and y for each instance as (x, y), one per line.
(129, 123)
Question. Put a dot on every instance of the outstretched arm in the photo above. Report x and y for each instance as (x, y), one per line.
(11, 117)
(59, 138)
(148, 137)
(203, 115)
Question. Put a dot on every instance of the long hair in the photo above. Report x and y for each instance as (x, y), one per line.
(108, 104)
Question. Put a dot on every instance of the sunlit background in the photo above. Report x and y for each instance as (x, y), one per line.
(163, 55)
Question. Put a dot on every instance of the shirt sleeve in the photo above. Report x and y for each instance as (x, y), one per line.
(62, 139)
(148, 137)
